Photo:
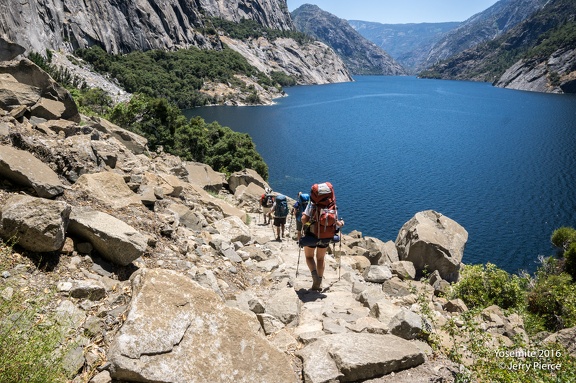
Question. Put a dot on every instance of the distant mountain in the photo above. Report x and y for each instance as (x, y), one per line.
(484, 26)
(360, 55)
(539, 54)
(408, 44)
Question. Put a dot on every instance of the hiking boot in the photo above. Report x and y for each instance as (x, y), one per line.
(316, 281)
(317, 284)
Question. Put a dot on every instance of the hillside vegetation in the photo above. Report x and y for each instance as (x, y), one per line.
(177, 76)
(250, 29)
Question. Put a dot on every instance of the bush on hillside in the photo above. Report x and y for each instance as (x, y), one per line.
(549, 42)
(570, 259)
(565, 239)
(563, 236)
(250, 29)
(553, 300)
(164, 125)
(92, 101)
(282, 78)
(177, 76)
(481, 286)
(60, 75)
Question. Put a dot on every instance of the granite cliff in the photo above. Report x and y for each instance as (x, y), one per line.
(360, 55)
(482, 27)
(537, 54)
(121, 27)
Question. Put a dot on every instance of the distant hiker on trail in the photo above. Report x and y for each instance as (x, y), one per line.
(266, 201)
(297, 210)
(321, 225)
(280, 211)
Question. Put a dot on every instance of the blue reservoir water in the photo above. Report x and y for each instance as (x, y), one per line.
(500, 162)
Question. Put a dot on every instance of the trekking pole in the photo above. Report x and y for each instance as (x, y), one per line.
(339, 255)
(298, 263)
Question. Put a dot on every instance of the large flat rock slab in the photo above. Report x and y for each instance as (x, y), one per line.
(108, 188)
(37, 224)
(350, 357)
(114, 239)
(178, 331)
(23, 168)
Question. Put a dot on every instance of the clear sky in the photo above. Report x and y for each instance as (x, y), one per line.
(399, 11)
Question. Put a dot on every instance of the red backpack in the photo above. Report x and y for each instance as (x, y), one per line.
(324, 213)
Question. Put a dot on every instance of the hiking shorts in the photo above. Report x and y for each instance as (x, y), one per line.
(298, 225)
(313, 242)
(322, 244)
(279, 221)
(265, 210)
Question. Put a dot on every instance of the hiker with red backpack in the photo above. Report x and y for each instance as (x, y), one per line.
(266, 201)
(321, 226)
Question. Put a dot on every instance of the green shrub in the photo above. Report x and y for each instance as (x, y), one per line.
(483, 285)
(570, 260)
(250, 29)
(563, 236)
(553, 300)
(60, 75)
(93, 101)
(176, 76)
(282, 78)
(562, 36)
(164, 125)
(565, 239)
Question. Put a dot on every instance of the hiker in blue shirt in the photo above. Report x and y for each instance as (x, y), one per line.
(298, 209)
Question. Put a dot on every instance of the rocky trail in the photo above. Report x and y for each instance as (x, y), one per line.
(161, 270)
(337, 311)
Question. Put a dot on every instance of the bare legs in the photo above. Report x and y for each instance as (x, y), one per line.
(278, 231)
(316, 266)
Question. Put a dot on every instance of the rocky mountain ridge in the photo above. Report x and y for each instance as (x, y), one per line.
(537, 54)
(408, 44)
(307, 64)
(484, 26)
(360, 55)
(156, 278)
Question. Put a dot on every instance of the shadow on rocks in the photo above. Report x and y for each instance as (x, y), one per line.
(46, 262)
(306, 295)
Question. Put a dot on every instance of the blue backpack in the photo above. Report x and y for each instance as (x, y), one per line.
(281, 209)
(303, 200)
